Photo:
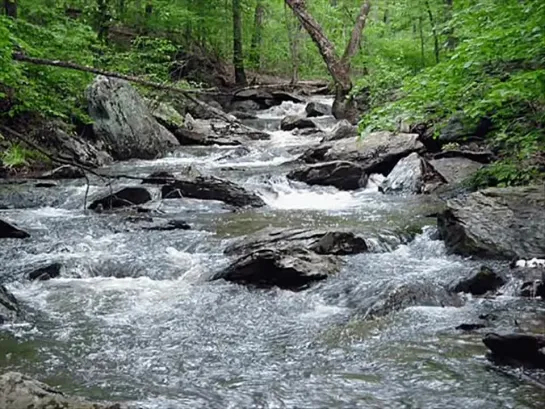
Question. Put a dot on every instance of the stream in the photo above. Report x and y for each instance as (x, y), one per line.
(135, 318)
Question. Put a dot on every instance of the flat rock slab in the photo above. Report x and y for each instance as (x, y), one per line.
(455, 169)
(342, 175)
(127, 197)
(8, 231)
(211, 188)
(377, 152)
(502, 223)
(292, 269)
(321, 242)
(18, 391)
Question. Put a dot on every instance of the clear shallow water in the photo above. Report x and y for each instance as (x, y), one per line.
(135, 318)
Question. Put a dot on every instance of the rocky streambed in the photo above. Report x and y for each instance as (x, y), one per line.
(270, 263)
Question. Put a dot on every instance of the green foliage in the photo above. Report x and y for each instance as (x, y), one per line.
(497, 71)
(17, 156)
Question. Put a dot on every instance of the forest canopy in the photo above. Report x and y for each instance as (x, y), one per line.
(477, 66)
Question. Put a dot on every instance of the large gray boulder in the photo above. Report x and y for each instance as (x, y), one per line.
(501, 223)
(18, 391)
(342, 175)
(410, 176)
(292, 269)
(123, 122)
(211, 188)
(9, 309)
(377, 152)
(455, 170)
(216, 132)
(342, 130)
(334, 242)
(8, 231)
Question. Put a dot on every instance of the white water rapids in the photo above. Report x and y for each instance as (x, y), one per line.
(134, 318)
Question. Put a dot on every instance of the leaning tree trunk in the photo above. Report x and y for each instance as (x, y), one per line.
(10, 8)
(238, 56)
(259, 16)
(339, 68)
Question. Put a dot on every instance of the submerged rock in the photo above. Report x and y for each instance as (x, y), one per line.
(292, 122)
(211, 188)
(318, 241)
(45, 273)
(376, 153)
(123, 122)
(470, 327)
(293, 269)
(127, 197)
(410, 175)
(8, 231)
(315, 109)
(501, 223)
(18, 391)
(342, 175)
(9, 308)
(170, 226)
(64, 172)
(342, 130)
(480, 282)
(517, 349)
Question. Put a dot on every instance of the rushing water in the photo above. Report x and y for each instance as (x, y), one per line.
(134, 317)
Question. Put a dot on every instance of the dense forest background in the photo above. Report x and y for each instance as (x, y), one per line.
(466, 71)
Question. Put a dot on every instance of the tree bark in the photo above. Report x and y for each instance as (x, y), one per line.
(343, 107)
(451, 40)
(255, 53)
(294, 30)
(10, 8)
(238, 55)
(434, 31)
(103, 17)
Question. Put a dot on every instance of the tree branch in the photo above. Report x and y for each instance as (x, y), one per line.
(355, 38)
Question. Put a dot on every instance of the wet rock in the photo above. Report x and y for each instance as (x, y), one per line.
(18, 391)
(170, 226)
(159, 178)
(410, 175)
(315, 109)
(533, 289)
(480, 282)
(342, 130)
(503, 223)
(470, 327)
(342, 175)
(127, 197)
(517, 349)
(293, 269)
(236, 153)
(45, 273)
(243, 115)
(9, 308)
(377, 152)
(64, 172)
(455, 170)
(45, 185)
(216, 132)
(318, 241)
(292, 122)
(211, 188)
(8, 231)
(123, 122)
(397, 297)
(245, 106)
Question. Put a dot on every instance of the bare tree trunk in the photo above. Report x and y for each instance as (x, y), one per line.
(10, 8)
(103, 17)
(434, 31)
(422, 44)
(343, 107)
(451, 40)
(294, 31)
(255, 48)
(238, 55)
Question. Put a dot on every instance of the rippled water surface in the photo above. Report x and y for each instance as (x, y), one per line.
(134, 317)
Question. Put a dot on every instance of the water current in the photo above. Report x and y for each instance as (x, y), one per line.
(135, 318)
